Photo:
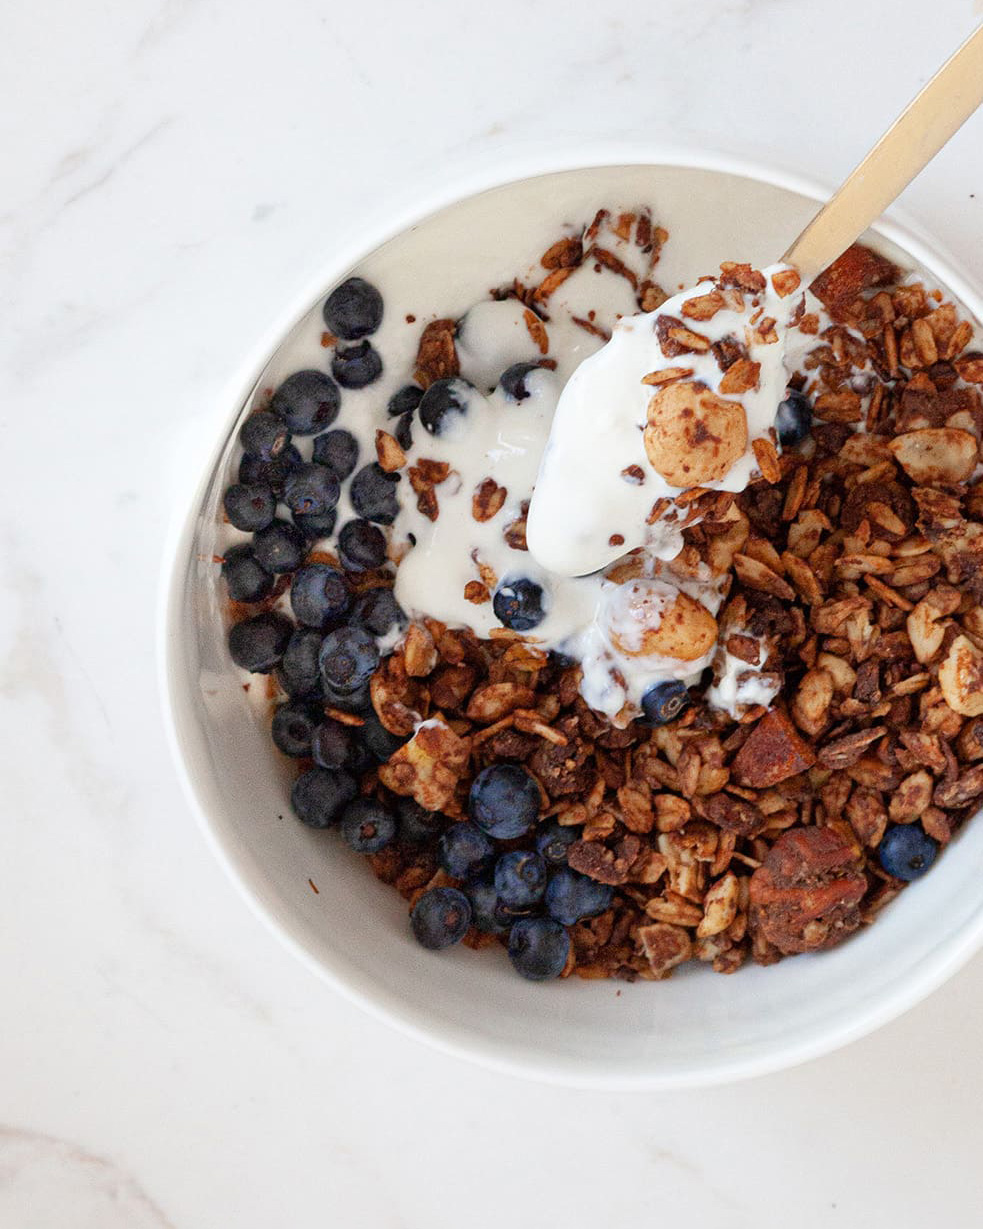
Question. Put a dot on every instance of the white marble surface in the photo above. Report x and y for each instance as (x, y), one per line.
(170, 169)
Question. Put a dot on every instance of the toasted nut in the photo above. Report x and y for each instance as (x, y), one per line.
(428, 767)
(812, 701)
(719, 906)
(911, 797)
(773, 752)
(924, 631)
(842, 673)
(693, 436)
(650, 623)
(936, 454)
(419, 652)
(389, 451)
(664, 946)
(961, 678)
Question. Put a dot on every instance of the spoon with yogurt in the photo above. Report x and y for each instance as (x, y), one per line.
(684, 399)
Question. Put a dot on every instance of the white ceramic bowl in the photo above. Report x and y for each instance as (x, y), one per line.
(696, 1028)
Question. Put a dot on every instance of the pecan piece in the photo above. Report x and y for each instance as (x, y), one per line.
(773, 752)
(806, 895)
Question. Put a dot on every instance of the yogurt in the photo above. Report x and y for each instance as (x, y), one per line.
(620, 447)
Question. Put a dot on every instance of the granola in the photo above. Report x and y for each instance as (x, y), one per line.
(842, 702)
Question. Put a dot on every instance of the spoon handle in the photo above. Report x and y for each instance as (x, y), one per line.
(911, 142)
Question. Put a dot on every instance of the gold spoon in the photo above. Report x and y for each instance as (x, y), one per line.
(911, 142)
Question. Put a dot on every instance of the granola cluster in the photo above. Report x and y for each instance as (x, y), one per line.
(856, 568)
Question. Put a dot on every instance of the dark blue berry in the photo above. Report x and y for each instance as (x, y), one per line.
(793, 420)
(315, 527)
(362, 546)
(906, 852)
(504, 801)
(357, 702)
(554, 839)
(331, 744)
(349, 657)
(518, 604)
(571, 896)
(367, 826)
(538, 948)
(250, 506)
(257, 644)
(353, 309)
(247, 580)
(664, 702)
(307, 402)
(311, 490)
(298, 673)
(512, 381)
(357, 365)
(464, 850)
(319, 595)
(520, 879)
(253, 469)
(293, 725)
(404, 432)
(487, 912)
(404, 400)
(418, 826)
(378, 611)
(441, 917)
(377, 739)
(264, 434)
(280, 546)
(373, 494)
(319, 795)
(444, 402)
(338, 451)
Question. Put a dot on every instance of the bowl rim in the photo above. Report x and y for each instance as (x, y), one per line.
(415, 205)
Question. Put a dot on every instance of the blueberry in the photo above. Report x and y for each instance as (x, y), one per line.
(247, 580)
(257, 644)
(353, 309)
(487, 912)
(793, 420)
(280, 546)
(378, 740)
(349, 657)
(331, 744)
(298, 673)
(378, 611)
(444, 402)
(504, 801)
(518, 604)
(338, 451)
(250, 506)
(317, 526)
(571, 896)
(293, 725)
(253, 469)
(357, 702)
(538, 948)
(319, 795)
(367, 826)
(404, 432)
(319, 595)
(464, 850)
(373, 494)
(554, 839)
(264, 434)
(520, 878)
(441, 917)
(418, 826)
(311, 490)
(362, 546)
(307, 402)
(512, 381)
(357, 365)
(906, 852)
(404, 400)
(664, 702)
